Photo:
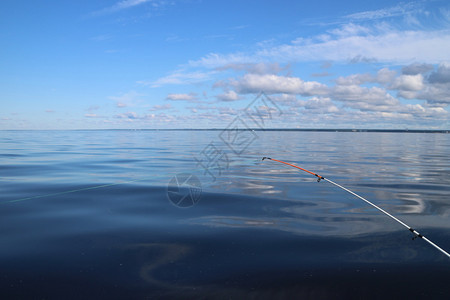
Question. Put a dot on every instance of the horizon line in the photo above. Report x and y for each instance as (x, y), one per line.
(249, 129)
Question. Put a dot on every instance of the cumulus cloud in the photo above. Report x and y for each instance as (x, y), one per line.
(286, 100)
(408, 83)
(319, 105)
(418, 110)
(442, 75)
(364, 98)
(355, 79)
(434, 87)
(417, 68)
(383, 76)
(228, 96)
(368, 94)
(435, 94)
(273, 84)
(415, 84)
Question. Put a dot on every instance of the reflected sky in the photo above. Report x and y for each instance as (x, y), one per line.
(254, 219)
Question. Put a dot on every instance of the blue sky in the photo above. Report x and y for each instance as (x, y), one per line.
(198, 64)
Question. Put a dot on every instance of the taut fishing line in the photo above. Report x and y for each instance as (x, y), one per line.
(319, 178)
(82, 189)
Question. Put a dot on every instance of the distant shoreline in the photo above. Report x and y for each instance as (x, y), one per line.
(254, 129)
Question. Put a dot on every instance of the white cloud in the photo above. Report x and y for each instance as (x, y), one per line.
(385, 76)
(227, 111)
(347, 30)
(160, 117)
(92, 116)
(144, 119)
(273, 84)
(351, 42)
(161, 107)
(128, 3)
(319, 105)
(216, 60)
(434, 88)
(389, 46)
(442, 75)
(412, 85)
(408, 83)
(257, 68)
(417, 68)
(191, 97)
(365, 95)
(355, 79)
(179, 77)
(364, 98)
(394, 11)
(128, 115)
(124, 4)
(228, 96)
(417, 110)
(435, 93)
(202, 107)
(286, 100)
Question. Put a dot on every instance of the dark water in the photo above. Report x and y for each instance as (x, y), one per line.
(86, 214)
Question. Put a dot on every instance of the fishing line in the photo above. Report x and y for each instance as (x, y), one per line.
(68, 192)
(319, 178)
(79, 190)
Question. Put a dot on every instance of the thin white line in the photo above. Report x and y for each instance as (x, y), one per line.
(78, 190)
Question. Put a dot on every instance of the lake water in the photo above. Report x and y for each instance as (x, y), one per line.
(197, 214)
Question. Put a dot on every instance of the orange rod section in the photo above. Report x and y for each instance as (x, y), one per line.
(283, 162)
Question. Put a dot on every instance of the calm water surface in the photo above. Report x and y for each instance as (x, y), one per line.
(87, 214)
